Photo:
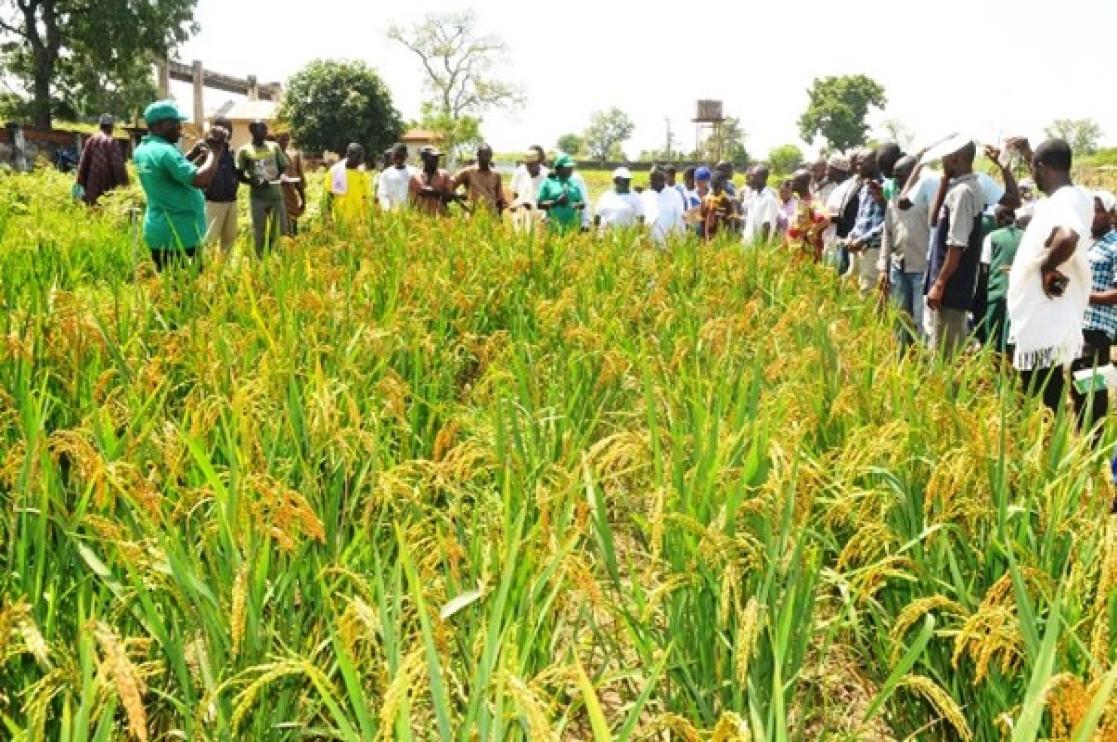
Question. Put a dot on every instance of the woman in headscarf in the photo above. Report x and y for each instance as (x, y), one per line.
(561, 198)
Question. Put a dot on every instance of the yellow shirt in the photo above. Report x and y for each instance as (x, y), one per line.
(353, 205)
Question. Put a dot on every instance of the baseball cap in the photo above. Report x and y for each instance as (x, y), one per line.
(564, 160)
(623, 173)
(432, 151)
(703, 173)
(161, 111)
(107, 119)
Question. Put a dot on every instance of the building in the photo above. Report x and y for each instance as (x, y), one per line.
(242, 113)
(416, 139)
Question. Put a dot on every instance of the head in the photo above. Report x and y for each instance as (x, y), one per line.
(717, 183)
(622, 180)
(1051, 163)
(670, 174)
(688, 178)
(259, 131)
(1004, 217)
(1027, 191)
(658, 179)
(399, 156)
(1104, 203)
(903, 170)
(837, 169)
(283, 139)
(961, 161)
(725, 166)
(702, 178)
(867, 164)
(855, 161)
(386, 159)
(564, 167)
(758, 177)
(818, 170)
(430, 157)
(354, 156)
(484, 157)
(535, 158)
(107, 123)
(785, 190)
(887, 155)
(800, 183)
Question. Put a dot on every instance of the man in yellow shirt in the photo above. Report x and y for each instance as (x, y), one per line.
(350, 191)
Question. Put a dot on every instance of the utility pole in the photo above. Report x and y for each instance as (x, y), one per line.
(668, 137)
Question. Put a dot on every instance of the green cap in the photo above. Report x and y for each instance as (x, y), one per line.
(564, 160)
(161, 111)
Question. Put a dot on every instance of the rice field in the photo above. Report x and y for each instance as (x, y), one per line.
(435, 480)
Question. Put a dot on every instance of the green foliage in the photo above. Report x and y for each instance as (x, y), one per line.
(329, 104)
(608, 131)
(726, 144)
(838, 108)
(1082, 135)
(460, 136)
(571, 144)
(80, 61)
(785, 159)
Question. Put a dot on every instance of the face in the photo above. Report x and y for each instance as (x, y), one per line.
(1004, 219)
(818, 171)
(669, 177)
(657, 180)
(802, 185)
(623, 185)
(484, 157)
(703, 186)
(399, 158)
(430, 162)
(169, 129)
(867, 166)
(353, 158)
(1103, 222)
(565, 172)
(1039, 174)
(785, 190)
(259, 131)
(758, 178)
(833, 174)
(688, 181)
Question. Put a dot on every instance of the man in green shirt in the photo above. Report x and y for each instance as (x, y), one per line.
(175, 220)
(997, 255)
(561, 198)
(261, 164)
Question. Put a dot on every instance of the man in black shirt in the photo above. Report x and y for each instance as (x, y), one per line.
(221, 196)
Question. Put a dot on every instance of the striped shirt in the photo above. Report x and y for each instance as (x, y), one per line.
(1103, 267)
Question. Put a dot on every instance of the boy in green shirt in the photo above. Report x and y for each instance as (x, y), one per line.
(261, 164)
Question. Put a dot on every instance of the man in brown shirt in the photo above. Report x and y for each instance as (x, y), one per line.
(294, 183)
(432, 188)
(483, 184)
(101, 168)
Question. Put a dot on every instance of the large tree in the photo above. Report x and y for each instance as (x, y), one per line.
(838, 109)
(329, 104)
(69, 52)
(608, 130)
(459, 64)
(1081, 134)
(727, 143)
(785, 159)
(571, 144)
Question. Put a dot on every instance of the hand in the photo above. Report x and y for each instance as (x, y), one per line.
(562, 200)
(1054, 283)
(855, 246)
(994, 154)
(934, 296)
(1017, 144)
(883, 284)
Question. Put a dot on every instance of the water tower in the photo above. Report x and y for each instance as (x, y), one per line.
(707, 122)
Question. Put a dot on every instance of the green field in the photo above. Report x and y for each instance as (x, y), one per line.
(434, 480)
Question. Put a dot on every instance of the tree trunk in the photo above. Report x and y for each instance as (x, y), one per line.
(40, 104)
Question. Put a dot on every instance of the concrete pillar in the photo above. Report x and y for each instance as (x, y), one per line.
(253, 88)
(163, 78)
(19, 148)
(199, 95)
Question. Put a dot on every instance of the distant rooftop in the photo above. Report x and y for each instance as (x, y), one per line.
(248, 110)
(420, 135)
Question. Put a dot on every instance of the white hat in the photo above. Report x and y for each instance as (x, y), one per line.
(623, 173)
(946, 146)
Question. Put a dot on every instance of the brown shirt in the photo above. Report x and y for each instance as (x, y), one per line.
(291, 199)
(434, 204)
(484, 188)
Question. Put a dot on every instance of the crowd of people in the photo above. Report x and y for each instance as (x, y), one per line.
(965, 257)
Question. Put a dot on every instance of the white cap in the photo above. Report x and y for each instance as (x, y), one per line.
(622, 172)
(1108, 200)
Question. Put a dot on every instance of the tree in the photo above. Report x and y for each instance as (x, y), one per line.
(571, 144)
(459, 64)
(607, 131)
(1081, 134)
(728, 144)
(838, 108)
(329, 104)
(785, 159)
(64, 52)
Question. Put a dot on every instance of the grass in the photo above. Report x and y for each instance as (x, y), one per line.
(431, 479)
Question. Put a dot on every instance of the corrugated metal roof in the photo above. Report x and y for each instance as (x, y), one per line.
(248, 110)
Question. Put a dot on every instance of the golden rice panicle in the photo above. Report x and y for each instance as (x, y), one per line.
(10, 618)
(531, 707)
(1067, 701)
(267, 674)
(402, 685)
(916, 610)
(1100, 635)
(673, 723)
(748, 631)
(942, 701)
(127, 681)
(731, 728)
(239, 608)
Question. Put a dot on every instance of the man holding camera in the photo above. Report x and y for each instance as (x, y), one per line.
(175, 221)
(221, 196)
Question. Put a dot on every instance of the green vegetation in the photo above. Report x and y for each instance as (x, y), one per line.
(434, 480)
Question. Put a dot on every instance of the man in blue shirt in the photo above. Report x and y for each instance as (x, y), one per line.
(865, 237)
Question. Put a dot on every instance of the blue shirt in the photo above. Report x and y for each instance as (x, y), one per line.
(1103, 267)
(869, 227)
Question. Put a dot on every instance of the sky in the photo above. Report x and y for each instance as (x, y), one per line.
(973, 65)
